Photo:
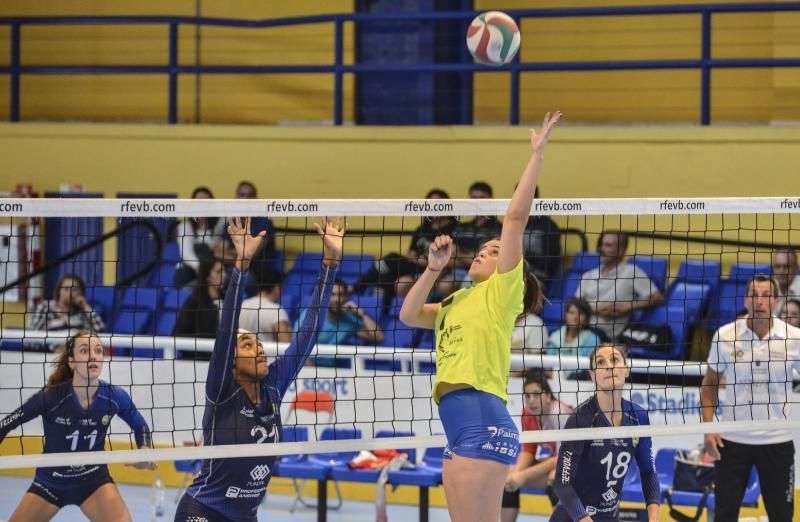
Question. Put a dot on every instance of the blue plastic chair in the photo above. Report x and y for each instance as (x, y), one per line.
(585, 261)
(727, 304)
(700, 271)
(656, 267)
(171, 302)
(426, 475)
(102, 300)
(307, 263)
(135, 312)
(745, 271)
(353, 266)
(318, 467)
(343, 473)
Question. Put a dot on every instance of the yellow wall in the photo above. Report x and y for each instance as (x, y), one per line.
(756, 95)
(397, 162)
(209, 99)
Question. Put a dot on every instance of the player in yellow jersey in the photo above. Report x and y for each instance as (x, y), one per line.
(473, 353)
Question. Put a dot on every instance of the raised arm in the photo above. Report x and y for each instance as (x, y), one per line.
(415, 312)
(519, 208)
(287, 366)
(220, 374)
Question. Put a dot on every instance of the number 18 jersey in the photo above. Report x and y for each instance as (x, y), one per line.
(590, 473)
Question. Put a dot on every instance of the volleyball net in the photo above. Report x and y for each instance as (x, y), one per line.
(145, 273)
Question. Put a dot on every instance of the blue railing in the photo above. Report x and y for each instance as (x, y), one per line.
(705, 62)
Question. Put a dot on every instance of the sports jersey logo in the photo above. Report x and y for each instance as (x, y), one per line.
(105, 420)
(62, 420)
(14, 416)
(488, 446)
(247, 412)
(233, 492)
(260, 472)
(609, 495)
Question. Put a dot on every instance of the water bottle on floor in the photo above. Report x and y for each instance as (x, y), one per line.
(159, 495)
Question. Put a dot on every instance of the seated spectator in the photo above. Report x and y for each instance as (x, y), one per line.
(392, 267)
(345, 321)
(616, 288)
(536, 462)
(541, 246)
(784, 271)
(574, 338)
(529, 334)
(262, 314)
(68, 310)
(469, 236)
(199, 316)
(403, 284)
(197, 239)
(791, 312)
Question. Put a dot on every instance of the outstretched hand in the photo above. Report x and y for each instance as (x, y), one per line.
(538, 141)
(246, 245)
(332, 234)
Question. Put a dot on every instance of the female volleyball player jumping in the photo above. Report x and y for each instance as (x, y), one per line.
(243, 394)
(590, 473)
(76, 409)
(473, 353)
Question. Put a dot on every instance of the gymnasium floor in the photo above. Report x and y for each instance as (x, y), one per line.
(276, 508)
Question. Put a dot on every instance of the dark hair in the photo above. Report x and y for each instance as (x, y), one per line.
(245, 183)
(537, 376)
(795, 301)
(200, 189)
(482, 186)
(763, 278)
(76, 282)
(620, 348)
(267, 278)
(63, 372)
(533, 292)
(788, 251)
(581, 304)
(437, 192)
(622, 237)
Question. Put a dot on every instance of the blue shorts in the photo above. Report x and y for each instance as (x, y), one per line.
(75, 495)
(478, 426)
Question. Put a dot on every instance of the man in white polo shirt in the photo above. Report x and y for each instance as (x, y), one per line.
(616, 288)
(754, 358)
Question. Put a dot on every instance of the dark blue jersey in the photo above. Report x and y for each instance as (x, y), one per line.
(234, 487)
(70, 427)
(590, 473)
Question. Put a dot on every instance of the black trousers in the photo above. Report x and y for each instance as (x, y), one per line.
(775, 467)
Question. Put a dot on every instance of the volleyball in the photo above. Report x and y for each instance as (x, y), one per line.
(493, 38)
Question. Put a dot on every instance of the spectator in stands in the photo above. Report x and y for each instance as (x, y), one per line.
(471, 235)
(388, 270)
(791, 312)
(529, 334)
(262, 313)
(199, 316)
(265, 257)
(345, 321)
(575, 337)
(68, 310)
(542, 246)
(754, 359)
(784, 270)
(197, 239)
(536, 462)
(616, 288)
